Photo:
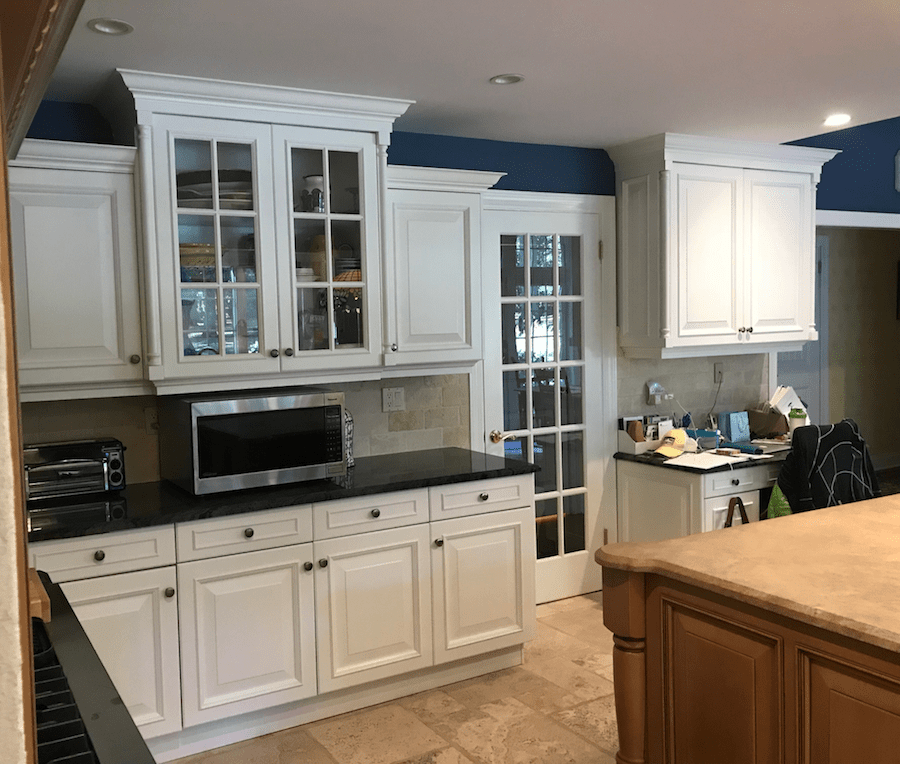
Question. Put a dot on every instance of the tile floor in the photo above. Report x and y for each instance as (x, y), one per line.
(557, 708)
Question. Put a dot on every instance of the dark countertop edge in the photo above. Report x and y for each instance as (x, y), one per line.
(163, 503)
(655, 460)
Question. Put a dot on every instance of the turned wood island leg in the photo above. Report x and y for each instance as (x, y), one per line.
(623, 615)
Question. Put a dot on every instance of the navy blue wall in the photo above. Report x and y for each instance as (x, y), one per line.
(861, 177)
(529, 166)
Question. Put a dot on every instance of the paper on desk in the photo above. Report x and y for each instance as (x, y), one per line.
(705, 460)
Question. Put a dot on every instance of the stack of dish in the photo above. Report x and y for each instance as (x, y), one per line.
(235, 188)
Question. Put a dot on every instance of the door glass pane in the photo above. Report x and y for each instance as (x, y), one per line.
(346, 250)
(515, 400)
(197, 248)
(200, 321)
(569, 260)
(570, 337)
(238, 239)
(241, 321)
(193, 173)
(573, 523)
(543, 397)
(310, 256)
(541, 265)
(513, 332)
(571, 407)
(343, 172)
(512, 266)
(307, 180)
(235, 174)
(545, 458)
(543, 329)
(348, 321)
(516, 448)
(311, 319)
(546, 523)
(572, 459)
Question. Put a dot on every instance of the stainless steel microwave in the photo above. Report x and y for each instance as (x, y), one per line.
(231, 441)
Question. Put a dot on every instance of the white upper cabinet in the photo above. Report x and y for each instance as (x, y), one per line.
(433, 265)
(75, 270)
(716, 245)
(263, 206)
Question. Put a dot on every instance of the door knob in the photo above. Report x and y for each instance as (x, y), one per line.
(496, 436)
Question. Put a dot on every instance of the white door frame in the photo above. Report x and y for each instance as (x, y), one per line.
(601, 468)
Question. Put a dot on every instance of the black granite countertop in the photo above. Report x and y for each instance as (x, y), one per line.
(143, 505)
(658, 460)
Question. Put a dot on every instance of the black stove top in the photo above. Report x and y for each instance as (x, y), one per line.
(80, 717)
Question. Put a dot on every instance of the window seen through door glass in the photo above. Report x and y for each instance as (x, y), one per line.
(543, 332)
(541, 265)
(512, 266)
(569, 260)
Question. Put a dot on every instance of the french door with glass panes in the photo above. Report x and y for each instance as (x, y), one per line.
(544, 383)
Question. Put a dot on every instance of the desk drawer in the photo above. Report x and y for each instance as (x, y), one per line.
(104, 554)
(741, 479)
(361, 514)
(247, 532)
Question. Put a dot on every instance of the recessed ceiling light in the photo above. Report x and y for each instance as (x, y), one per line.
(110, 26)
(836, 120)
(507, 79)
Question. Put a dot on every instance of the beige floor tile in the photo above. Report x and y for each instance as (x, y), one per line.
(444, 756)
(596, 721)
(508, 732)
(579, 681)
(593, 600)
(292, 746)
(552, 643)
(380, 735)
(585, 624)
(599, 663)
(534, 690)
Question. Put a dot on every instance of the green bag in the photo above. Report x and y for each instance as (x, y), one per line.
(778, 504)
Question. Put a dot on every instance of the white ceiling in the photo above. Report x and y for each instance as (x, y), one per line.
(597, 72)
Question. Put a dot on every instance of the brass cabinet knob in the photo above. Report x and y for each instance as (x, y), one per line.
(323, 563)
(99, 555)
(439, 542)
(376, 512)
(483, 497)
(307, 566)
(289, 351)
(248, 532)
(169, 592)
(135, 359)
(274, 353)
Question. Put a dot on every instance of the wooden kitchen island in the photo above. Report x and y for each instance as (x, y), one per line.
(772, 642)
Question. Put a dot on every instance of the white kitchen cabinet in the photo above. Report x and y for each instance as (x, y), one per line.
(716, 245)
(432, 278)
(483, 581)
(75, 271)
(658, 502)
(265, 208)
(373, 606)
(132, 622)
(247, 632)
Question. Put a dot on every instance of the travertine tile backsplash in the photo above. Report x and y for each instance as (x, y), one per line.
(690, 380)
(437, 415)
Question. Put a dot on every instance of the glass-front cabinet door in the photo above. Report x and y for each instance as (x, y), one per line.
(218, 296)
(330, 303)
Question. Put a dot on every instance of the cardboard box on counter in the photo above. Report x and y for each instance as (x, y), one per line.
(765, 424)
(628, 446)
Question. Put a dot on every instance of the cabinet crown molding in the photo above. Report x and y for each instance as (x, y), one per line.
(65, 155)
(728, 152)
(196, 96)
(433, 178)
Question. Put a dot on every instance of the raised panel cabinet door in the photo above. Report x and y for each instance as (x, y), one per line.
(132, 622)
(848, 714)
(373, 606)
(76, 279)
(717, 685)
(436, 276)
(483, 583)
(656, 504)
(247, 632)
(780, 268)
(706, 277)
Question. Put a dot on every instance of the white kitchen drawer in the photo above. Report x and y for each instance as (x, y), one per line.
(342, 517)
(105, 553)
(742, 479)
(715, 510)
(247, 532)
(461, 499)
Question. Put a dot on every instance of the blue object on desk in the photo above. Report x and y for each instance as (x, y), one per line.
(705, 438)
(744, 447)
(735, 426)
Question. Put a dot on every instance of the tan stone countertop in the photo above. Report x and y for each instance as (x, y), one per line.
(836, 568)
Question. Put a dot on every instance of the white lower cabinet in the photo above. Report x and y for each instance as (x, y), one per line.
(132, 622)
(247, 632)
(373, 597)
(482, 571)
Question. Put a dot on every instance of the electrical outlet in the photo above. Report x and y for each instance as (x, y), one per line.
(718, 373)
(151, 419)
(393, 399)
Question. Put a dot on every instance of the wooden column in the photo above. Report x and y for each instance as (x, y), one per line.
(623, 615)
